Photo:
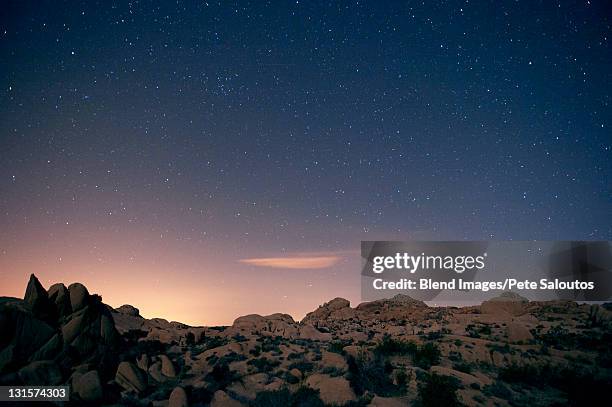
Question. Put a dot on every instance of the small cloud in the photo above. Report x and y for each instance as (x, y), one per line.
(297, 262)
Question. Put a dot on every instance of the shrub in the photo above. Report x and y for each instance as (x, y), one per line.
(401, 378)
(584, 387)
(263, 364)
(302, 366)
(439, 391)
(423, 356)
(559, 338)
(463, 366)
(212, 342)
(338, 346)
(389, 346)
(190, 339)
(427, 356)
(303, 397)
(272, 398)
(220, 377)
(371, 375)
(498, 389)
(332, 371)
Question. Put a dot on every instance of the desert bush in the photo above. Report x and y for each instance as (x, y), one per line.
(212, 342)
(289, 378)
(559, 338)
(463, 366)
(426, 356)
(583, 386)
(338, 346)
(220, 377)
(389, 346)
(401, 378)
(332, 371)
(272, 398)
(371, 375)
(438, 391)
(303, 397)
(302, 366)
(230, 357)
(476, 331)
(190, 339)
(263, 364)
(498, 389)
(294, 356)
(423, 356)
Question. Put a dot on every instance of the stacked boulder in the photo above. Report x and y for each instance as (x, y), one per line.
(49, 337)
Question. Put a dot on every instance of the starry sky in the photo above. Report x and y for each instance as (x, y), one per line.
(203, 160)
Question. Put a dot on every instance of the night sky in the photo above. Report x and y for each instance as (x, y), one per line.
(205, 160)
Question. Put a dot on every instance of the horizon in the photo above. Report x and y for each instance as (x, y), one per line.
(146, 314)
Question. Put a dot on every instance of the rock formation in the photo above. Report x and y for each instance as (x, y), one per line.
(382, 353)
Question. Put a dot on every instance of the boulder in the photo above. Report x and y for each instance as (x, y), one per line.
(23, 335)
(296, 373)
(333, 360)
(7, 356)
(221, 399)
(78, 296)
(88, 386)
(507, 303)
(35, 294)
(248, 387)
(518, 332)
(155, 372)
(37, 300)
(58, 294)
(49, 350)
(41, 373)
(332, 390)
(143, 362)
(167, 368)
(311, 333)
(91, 331)
(130, 377)
(178, 398)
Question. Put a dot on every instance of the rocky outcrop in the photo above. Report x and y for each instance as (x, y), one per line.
(325, 311)
(281, 325)
(507, 303)
(45, 336)
(392, 345)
